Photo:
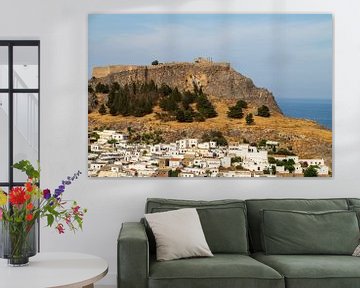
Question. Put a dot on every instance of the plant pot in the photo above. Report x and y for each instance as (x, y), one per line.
(18, 242)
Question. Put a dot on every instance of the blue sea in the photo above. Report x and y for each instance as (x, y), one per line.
(319, 110)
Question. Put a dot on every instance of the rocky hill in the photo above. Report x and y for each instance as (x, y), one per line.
(224, 86)
(217, 79)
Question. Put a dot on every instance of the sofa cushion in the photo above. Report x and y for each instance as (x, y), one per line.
(297, 232)
(313, 271)
(223, 221)
(178, 234)
(255, 206)
(222, 270)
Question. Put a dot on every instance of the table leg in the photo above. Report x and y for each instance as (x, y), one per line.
(89, 286)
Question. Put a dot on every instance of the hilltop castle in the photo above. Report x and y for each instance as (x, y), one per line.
(216, 79)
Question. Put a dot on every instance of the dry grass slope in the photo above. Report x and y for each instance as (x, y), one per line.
(306, 138)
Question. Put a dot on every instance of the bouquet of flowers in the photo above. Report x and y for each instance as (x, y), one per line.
(23, 206)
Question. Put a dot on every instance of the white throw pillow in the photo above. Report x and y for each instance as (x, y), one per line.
(178, 234)
(357, 251)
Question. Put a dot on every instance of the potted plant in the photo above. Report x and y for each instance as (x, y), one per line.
(21, 209)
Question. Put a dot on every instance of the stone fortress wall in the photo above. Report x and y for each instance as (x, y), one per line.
(99, 72)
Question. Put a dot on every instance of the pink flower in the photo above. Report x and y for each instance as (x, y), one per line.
(1, 214)
(68, 219)
(76, 210)
(60, 228)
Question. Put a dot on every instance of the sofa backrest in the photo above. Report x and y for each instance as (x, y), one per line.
(255, 206)
(353, 202)
(224, 222)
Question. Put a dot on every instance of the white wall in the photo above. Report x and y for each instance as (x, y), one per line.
(61, 25)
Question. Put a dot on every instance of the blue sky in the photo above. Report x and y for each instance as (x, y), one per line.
(290, 54)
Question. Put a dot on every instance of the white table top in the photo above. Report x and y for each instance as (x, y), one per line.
(45, 270)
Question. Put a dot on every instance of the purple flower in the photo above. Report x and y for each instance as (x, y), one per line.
(57, 193)
(46, 194)
(64, 183)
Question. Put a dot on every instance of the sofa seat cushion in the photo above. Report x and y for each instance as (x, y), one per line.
(313, 271)
(222, 270)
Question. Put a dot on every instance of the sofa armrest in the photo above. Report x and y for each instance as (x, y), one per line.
(133, 256)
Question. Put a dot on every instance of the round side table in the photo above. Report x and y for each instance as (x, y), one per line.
(54, 270)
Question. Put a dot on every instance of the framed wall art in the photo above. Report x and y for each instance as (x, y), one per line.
(210, 95)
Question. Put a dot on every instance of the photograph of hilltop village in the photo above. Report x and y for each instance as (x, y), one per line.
(197, 118)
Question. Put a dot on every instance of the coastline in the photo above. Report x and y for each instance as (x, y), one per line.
(318, 110)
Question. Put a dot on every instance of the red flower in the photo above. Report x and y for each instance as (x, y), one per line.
(17, 196)
(29, 186)
(60, 228)
(29, 217)
(27, 196)
(29, 206)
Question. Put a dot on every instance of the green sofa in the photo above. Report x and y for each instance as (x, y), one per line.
(233, 230)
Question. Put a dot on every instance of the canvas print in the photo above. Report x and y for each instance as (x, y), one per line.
(210, 95)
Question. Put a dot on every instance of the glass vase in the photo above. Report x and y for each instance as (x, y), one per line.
(18, 242)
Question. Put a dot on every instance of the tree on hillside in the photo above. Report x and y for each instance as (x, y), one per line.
(184, 116)
(102, 109)
(173, 173)
(155, 62)
(168, 104)
(289, 165)
(188, 98)
(94, 135)
(165, 89)
(249, 119)
(262, 143)
(215, 136)
(263, 111)
(198, 117)
(271, 160)
(102, 88)
(115, 86)
(136, 99)
(205, 107)
(235, 112)
(176, 95)
(242, 104)
(311, 171)
(112, 141)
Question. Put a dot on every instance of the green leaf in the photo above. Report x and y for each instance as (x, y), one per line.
(53, 211)
(26, 167)
(50, 219)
